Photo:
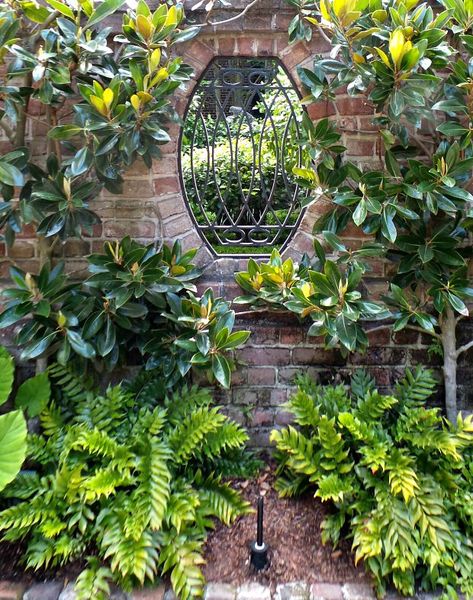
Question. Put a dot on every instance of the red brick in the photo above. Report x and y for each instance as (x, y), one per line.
(361, 147)
(133, 188)
(354, 106)
(226, 46)
(316, 356)
(291, 336)
(265, 46)
(261, 418)
(265, 356)
(22, 250)
(138, 229)
(167, 185)
(261, 376)
(199, 51)
(320, 110)
(247, 46)
(11, 591)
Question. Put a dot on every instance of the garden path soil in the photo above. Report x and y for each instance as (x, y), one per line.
(292, 530)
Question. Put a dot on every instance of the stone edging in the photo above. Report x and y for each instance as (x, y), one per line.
(215, 591)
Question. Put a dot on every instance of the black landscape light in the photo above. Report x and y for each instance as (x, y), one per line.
(259, 550)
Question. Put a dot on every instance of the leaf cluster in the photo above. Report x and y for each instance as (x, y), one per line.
(395, 473)
(130, 478)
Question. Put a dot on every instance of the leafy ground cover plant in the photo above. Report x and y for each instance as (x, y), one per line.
(137, 300)
(413, 64)
(31, 397)
(129, 479)
(398, 476)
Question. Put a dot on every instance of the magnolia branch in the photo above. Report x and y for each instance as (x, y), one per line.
(8, 131)
(464, 348)
(230, 19)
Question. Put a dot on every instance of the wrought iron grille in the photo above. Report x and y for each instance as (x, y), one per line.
(238, 147)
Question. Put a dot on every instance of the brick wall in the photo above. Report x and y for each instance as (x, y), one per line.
(152, 208)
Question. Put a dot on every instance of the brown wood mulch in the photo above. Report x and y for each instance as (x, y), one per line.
(292, 531)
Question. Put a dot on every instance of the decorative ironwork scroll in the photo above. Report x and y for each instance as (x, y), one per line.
(238, 147)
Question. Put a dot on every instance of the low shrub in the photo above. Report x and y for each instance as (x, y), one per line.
(398, 476)
(139, 303)
(129, 480)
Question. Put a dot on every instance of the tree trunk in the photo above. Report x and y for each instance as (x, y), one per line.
(449, 343)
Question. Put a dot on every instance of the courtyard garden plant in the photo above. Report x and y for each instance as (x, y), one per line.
(398, 477)
(128, 480)
(413, 65)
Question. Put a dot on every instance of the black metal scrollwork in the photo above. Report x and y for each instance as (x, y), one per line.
(238, 147)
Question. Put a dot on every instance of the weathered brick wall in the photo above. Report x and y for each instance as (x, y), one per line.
(152, 208)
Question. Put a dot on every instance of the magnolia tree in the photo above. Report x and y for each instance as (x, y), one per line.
(414, 63)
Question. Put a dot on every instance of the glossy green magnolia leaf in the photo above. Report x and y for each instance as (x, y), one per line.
(103, 10)
(12, 446)
(10, 175)
(221, 370)
(33, 394)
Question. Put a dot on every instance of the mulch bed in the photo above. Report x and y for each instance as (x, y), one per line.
(292, 531)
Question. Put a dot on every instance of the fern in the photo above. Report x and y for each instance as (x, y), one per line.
(135, 484)
(398, 477)
(416, 387)
(361, 384)
(93, 582)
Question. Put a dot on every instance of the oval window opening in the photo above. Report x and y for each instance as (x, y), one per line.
(238, 148)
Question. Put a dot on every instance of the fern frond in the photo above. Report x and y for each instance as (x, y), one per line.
(182, 556)
(182, 507)
(129, 557)
(229, 436)
(105, 412)
(302, 406)
(93, 582)
(186, 400)
(221, 501)
(332, 487)
(371, 407)
(416, 387)
(52, 421)
(402, 477)
(74, 387)
(188, 437)
(333, 453)
(288, 484)
(361, 383)
(300, 450)
(151, 496)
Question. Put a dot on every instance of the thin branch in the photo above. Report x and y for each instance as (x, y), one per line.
(8, 132)
(230, 19)
(464, 348)
(411, 327)
(52, 17)
(322, 33)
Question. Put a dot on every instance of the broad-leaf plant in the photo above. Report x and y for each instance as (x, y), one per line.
(139, 305)
(102, 100)
(31, 396)
(413, 63)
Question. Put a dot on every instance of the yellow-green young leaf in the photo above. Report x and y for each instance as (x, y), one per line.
(172, 17)
(324, 10)
(383, 56)
(155, 59)
(144, 26)
(34, 394)
(99, 104)
(160, 76)
(396, 46)
(145, 98)
(61, 7)
(108, 97)
(135, 102)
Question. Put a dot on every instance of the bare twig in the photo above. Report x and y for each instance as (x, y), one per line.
(464, 348)
(411, 327)
(230, 19)
(322, 33)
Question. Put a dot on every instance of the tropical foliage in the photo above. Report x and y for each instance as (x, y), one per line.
(129, 479)
(31, 396)
(413, 65)
(324, 290)
(54, 52)
(137, 299)
(399, 478)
